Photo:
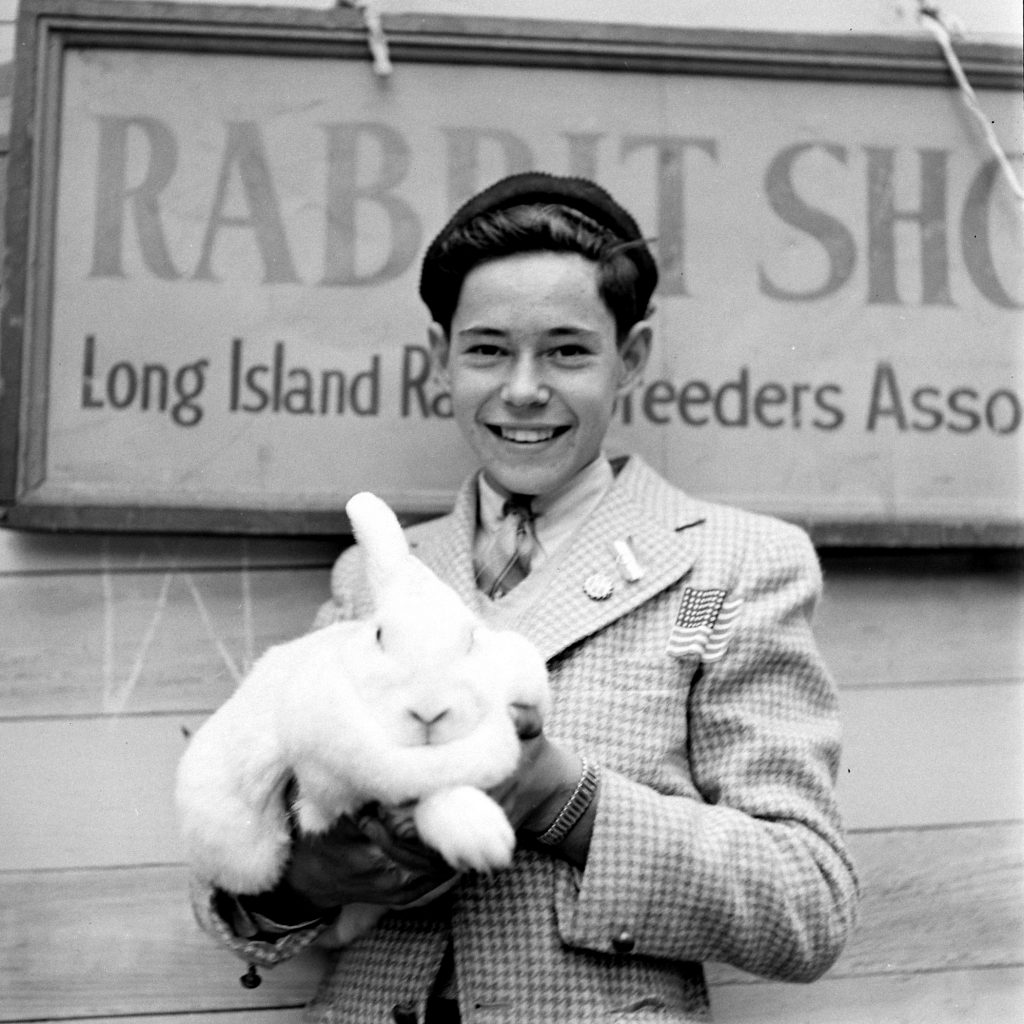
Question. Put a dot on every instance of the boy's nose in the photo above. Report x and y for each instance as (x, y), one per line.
(524, 386)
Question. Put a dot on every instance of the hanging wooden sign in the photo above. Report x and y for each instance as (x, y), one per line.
(215, 218)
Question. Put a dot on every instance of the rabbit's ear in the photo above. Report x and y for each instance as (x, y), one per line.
(378, 532)
(415, 610)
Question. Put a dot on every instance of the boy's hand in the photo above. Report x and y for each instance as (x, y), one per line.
(527, 719)
(360, 862)
(542, 782)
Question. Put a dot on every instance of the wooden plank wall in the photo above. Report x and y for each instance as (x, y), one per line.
(114, 647)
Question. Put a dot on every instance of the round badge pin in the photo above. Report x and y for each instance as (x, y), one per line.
(598, 587)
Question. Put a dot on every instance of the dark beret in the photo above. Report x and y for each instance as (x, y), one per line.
(536, 187)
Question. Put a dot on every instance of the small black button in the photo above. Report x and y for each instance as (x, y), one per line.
(404, 1013)
(624, 942)
(251, 978)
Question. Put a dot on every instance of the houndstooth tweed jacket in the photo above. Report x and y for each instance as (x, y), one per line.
(717, 835)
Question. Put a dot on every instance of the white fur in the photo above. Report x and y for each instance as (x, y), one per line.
(344, 710)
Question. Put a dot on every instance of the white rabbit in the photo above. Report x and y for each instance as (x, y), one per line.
(412, 703)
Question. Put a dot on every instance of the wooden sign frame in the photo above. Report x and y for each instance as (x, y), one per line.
(48, 30)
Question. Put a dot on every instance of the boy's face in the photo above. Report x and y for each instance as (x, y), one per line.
(533, 367)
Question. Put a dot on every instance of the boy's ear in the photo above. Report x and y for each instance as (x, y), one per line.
(634, 352)
(439, 351)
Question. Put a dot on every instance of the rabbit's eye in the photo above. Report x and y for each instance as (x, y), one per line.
(380, 634)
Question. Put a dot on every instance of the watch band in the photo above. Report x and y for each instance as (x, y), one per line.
(575, 807)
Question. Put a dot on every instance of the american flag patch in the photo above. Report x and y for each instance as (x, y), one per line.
(703, 624)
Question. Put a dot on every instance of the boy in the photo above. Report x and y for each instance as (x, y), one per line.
(678, 805)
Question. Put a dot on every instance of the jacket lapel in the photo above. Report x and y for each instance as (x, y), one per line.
(652, 515)
(640, 506)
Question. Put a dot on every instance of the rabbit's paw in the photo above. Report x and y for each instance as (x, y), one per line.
(467, 828)
(310, 817)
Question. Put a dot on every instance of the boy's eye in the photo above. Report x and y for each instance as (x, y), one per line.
(483, 353)
(571, 352)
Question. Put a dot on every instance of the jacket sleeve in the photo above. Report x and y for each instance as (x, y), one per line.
(753, 869)
(223, 918)
(347, 579)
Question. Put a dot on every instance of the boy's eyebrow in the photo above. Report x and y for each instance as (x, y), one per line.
(484, 331)
(567, 328)
(571, 329)
(478, 329)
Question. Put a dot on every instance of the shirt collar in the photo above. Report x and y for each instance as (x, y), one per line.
(558, 515)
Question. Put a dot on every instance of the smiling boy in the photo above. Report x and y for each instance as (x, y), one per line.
(534, 365)
(678, 805)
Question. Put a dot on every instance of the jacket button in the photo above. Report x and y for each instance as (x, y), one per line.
(624, 942)
(404, 1013)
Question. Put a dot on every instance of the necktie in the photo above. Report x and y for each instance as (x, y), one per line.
(514, 546)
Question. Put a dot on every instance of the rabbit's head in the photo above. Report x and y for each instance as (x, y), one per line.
(431, 672)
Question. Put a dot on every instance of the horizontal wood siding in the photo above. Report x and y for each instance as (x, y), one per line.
(125, 605)
(911, 760)
(97, 943)
(83, 943)
(115, 648)
(131, 642)
(991, 996)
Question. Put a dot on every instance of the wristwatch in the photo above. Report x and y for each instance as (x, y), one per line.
(575, 807)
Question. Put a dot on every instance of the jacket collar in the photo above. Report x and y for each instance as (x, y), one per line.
(640, 506)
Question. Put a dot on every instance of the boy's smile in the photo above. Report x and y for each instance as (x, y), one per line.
(533, 367)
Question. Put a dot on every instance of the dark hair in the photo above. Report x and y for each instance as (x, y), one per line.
(534, 211)
(537, 227)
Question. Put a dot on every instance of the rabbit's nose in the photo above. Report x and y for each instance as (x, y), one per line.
(427, 718)
(430, 722)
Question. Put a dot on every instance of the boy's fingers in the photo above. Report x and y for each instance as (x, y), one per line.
(394, 831)
(527, 719)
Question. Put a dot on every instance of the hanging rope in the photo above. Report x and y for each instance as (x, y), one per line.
(936, 22)
(375, 38)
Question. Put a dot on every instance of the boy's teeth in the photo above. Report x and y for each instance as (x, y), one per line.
(523, 435)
